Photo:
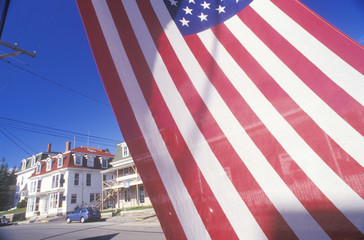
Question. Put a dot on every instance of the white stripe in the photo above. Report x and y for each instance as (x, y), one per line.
(342, 196)
(280, 195)
(338, 129)
(181, 200)
(229, 199)
(333, 66)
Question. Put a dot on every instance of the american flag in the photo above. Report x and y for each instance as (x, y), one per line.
(244, 118)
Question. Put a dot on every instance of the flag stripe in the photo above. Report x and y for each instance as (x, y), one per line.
(250, 129)
(164, 209)
(253, 159)
(169, 131)
(185, 210)
(233, 207)
(226, 155)
(324, 116)
(328, 62)
(312, 134)
(310, 163)
(349, 50)
(306, 71)
(266, 143)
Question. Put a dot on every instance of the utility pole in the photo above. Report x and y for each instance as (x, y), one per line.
(14, 47)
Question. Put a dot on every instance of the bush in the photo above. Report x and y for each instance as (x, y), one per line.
(22, 203)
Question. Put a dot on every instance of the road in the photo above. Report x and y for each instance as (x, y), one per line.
(90, 231)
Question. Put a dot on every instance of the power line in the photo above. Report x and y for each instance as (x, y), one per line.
(15, 143)
(60, 130)
(56, 83)
(50, 26)
(19, 139)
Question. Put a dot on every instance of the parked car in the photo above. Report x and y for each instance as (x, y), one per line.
(3, 221)
(84, 215)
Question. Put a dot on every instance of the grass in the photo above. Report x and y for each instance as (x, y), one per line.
(17, 210)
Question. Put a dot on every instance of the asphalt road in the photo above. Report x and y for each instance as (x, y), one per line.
(91, 231)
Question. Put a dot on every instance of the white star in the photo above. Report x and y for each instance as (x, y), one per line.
(192, 1)
(220, 9)
(184, 22)
(205, 5)
(203, 17)
(188, 10)
(173, 2)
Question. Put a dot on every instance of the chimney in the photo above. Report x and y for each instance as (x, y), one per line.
(68, 146)
(49, 147)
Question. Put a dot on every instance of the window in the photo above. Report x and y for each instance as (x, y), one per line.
(22, 180)
(88, 179)
(33, 160)
(49, 164)
(60, 161)
(78, 159)
(30, 204)
(38, 167)
(33, 186)
(97, 195)
(61, 180)
(125, 151)
(92, 197)
(104, 163)
(55, 180)
(90, 160)
(126, 171)
(53, 200)
(103, 177)
(61, 199)
(127, 196)
(77, 177)
(24, 164)
(39, 185)
(73, 198)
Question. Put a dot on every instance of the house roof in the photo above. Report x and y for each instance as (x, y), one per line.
(68, 160)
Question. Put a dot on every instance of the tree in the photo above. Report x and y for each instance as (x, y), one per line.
(4, 184)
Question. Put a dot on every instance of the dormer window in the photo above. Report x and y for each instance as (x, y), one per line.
(24, 164)
(33, 160)
(78, 159)
(49, 164)
(103, 162)
(125, 151)
(60, 160)
(90, 160)
(39, 166)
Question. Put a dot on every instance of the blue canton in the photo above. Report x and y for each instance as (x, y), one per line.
(193, 16)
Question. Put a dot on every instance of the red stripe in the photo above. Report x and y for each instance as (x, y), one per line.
(238, 173)
(341, 102)
(346, 48)
(268, 145)
(308, 130)
(128, 124)
(201, 194)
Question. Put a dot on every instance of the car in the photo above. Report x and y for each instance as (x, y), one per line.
(3, 221)
(84, 215)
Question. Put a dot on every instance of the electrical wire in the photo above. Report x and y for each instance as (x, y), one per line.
(15, 143)
(56, 83)
(26, 21)
(50, 26)
(8, 132)
(60, 130)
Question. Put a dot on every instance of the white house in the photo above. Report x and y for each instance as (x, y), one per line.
(125, 189)
(67, 180)
(26, 170)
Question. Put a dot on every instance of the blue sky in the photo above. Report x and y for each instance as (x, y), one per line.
(54, 29)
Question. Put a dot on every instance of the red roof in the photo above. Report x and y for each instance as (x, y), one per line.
(68, 160)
